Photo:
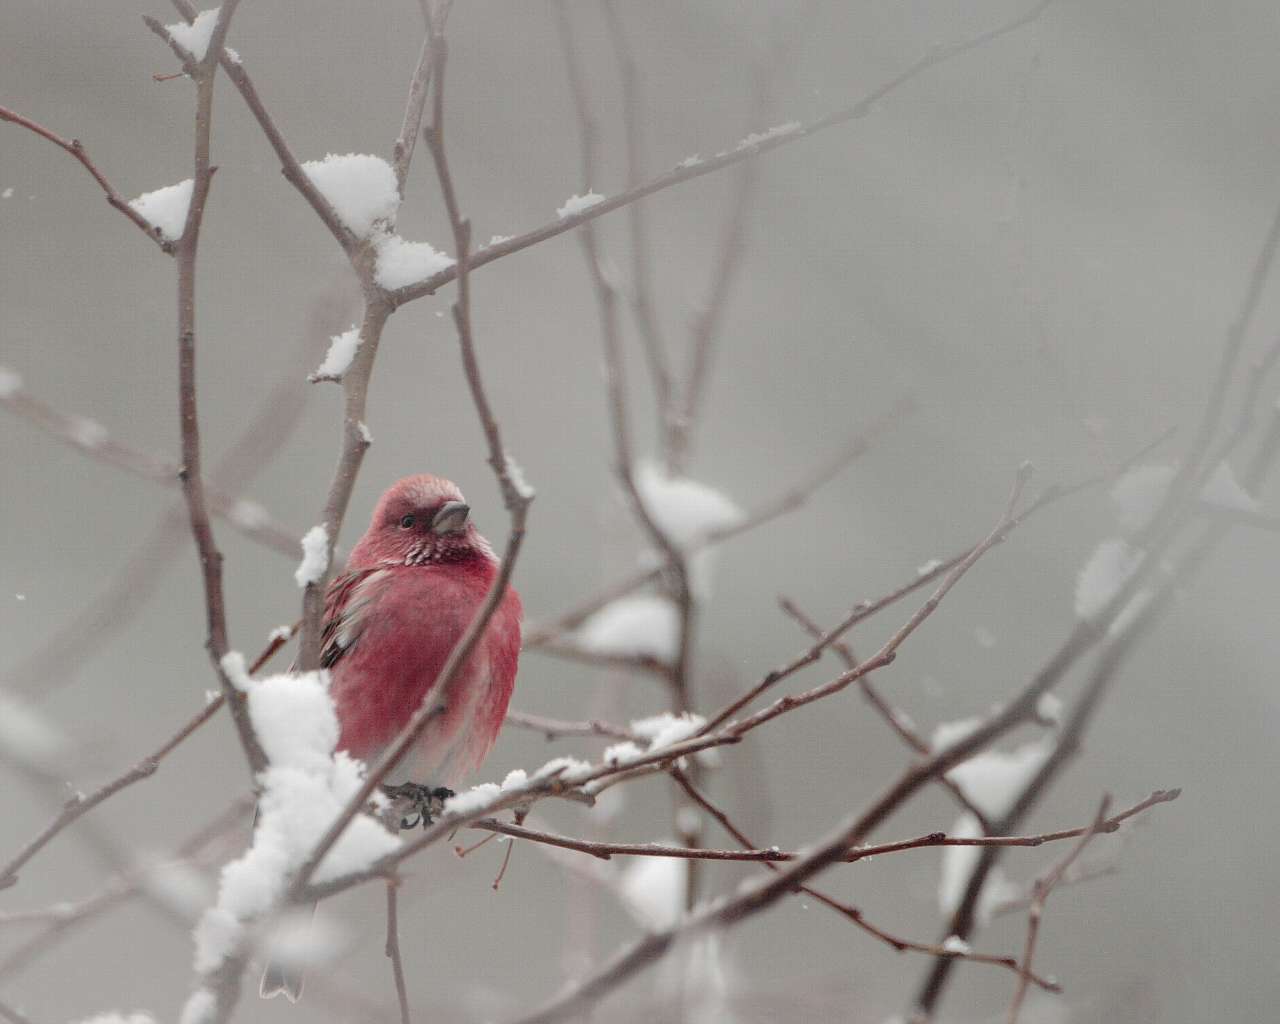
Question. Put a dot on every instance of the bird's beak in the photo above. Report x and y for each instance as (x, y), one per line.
(452, 517)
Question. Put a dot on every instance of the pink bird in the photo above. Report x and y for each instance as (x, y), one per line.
(412, 585)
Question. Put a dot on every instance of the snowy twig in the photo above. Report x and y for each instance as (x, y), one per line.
(747, 150)
(392, 947)
(1043, 887)
(415, 105)
(77, 150)
(289, 165)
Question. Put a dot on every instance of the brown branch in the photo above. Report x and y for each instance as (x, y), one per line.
(1043, 887)
(773, 855)
(895, 720)
(743, 151)
(392, 949)
(554, 728)
(415, 106)
(76, 148)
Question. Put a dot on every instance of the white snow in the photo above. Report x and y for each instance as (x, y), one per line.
(958, 863)
(928, 567)
(1107, 570)
(303, 788)
(496, 240)
(1138, 494)
(993, 779)
(1049, 707)
(361, 189)
(236, 670)
(199, 1007)
(570, 769)
(473, 799)
(955, 944)
(194, 38)
(517, 778)
(7, 193)
(366, 435)
(1223, 490)
(342, 349)
(26, 734)
(576, 204)
(653, 889)
(777, 131)
(249, 515)
(684, 509)
(516, 474)
(689, 161)
(280, 633)
(623, 754)
(948, 734)
(166, 208)
(665, 729)
(315, 556)
(87, 433)
(116, 1017)
(10, 382)
(402, 263)
(645, 625)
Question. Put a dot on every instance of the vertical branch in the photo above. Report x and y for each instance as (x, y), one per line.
(392, 947)
(642, 297)
(517, 495)
(203, 72)
(677, 568)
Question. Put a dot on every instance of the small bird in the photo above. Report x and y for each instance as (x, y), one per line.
(411, 586)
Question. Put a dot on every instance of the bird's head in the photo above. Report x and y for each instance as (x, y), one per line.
(420, 520)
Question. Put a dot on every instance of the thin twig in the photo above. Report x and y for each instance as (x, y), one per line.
(555, 728)
(1043, 887)
(744, 150)
(76, 148)
(392, 948)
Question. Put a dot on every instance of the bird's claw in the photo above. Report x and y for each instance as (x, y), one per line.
(416, 803)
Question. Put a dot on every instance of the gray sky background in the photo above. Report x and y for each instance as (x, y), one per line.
(1043, 242)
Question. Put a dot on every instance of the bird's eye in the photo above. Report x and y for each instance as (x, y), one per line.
(406, 522)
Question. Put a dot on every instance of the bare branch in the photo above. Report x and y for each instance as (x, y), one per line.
(1043, 887)
(392, 948)
(76, 148)
(743, 151)
(554, 728)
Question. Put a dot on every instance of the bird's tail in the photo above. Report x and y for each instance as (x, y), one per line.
(277, 979)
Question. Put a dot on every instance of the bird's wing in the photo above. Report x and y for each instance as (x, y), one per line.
(346, 605)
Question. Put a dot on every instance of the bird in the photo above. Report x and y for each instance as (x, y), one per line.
(411, 586)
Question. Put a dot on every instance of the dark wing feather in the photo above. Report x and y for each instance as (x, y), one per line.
(345, 605)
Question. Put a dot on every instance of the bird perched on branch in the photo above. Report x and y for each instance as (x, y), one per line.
(412, 585)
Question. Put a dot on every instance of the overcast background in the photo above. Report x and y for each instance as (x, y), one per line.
(1042, 241)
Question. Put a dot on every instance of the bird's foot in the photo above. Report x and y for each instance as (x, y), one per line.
(417, 804)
